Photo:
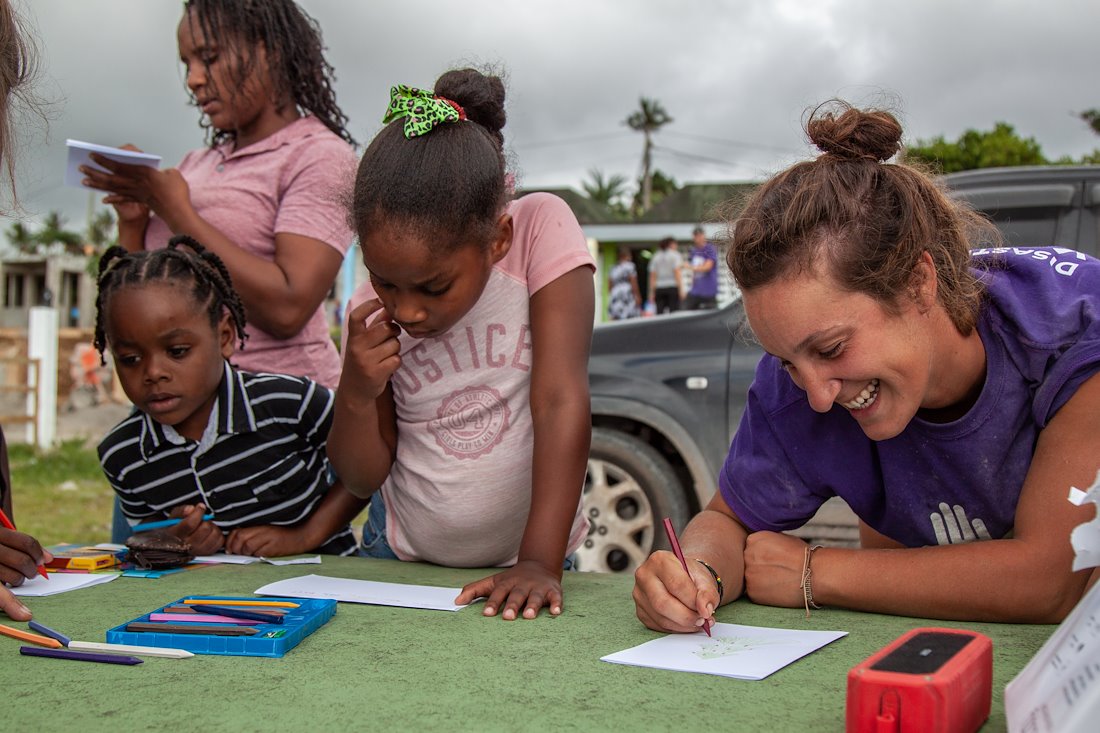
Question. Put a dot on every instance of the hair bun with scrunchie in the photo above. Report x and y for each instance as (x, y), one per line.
(481, 96)
(847, 133)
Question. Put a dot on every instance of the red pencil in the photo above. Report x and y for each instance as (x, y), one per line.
(7, 523)
(680, 556)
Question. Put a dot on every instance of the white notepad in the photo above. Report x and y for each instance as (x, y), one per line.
(61, 583)
(365, 591)
(79, 154)
(733, 650)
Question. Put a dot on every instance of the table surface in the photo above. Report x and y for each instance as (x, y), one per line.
(385, 668)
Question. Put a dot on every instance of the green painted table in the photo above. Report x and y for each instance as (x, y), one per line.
(380, 668)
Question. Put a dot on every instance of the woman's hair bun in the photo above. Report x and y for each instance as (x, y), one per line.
(839, 129)
(480, 95)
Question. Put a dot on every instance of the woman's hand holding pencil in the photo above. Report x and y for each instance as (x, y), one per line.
(672, 593)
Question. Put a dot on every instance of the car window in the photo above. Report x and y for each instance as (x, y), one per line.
(1031, 215)
(1027, 227)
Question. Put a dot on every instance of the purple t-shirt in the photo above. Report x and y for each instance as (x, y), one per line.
(704, 284)
(935, 483)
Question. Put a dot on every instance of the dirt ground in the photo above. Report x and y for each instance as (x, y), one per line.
(87, 421)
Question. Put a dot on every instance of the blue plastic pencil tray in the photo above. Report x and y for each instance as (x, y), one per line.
(273, 640)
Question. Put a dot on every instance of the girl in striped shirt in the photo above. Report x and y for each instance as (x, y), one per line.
(205, 438)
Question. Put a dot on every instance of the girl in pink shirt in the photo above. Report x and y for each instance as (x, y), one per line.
(464, 393)
(265, 196)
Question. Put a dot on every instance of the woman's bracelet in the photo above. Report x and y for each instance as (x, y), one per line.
(714, 574)
(807, 575)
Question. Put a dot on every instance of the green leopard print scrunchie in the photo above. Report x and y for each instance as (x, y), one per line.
(421, 109)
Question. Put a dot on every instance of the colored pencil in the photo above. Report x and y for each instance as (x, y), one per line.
(33, 651)
(237, 612)
(161, 524)
(680, 556)
(174, 618)
(190, 610)
(221, 602)
(139, 651)
(8, 523)
(213, 629)
(43, 629)
(28, 636)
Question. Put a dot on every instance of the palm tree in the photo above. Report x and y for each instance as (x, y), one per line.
(22, 238)
(607, 191)
(53, 231)
(101, 230)
(661, 185)
(1092, 118)
(647, 119)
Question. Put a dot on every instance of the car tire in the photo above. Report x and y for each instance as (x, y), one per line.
(628, 491)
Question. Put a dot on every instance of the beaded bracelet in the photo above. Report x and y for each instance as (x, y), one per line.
(714, 574)
(807, 574)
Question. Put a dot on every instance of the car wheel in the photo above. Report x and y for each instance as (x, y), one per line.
(629, 489)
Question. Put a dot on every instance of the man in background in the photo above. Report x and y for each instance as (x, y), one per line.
(703, 261)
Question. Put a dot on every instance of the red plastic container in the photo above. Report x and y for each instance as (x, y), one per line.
(928, 680)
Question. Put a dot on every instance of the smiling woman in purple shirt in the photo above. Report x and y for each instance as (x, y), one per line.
(949, 395)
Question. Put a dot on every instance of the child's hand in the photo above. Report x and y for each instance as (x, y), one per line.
(205, 538)
(372, 353)
(526, 584)
(266, 541)
(134, 186)
(20, 556)
(12, 606)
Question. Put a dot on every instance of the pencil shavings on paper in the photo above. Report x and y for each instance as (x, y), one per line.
(1086, 537)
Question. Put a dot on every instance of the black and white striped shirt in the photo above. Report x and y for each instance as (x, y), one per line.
(261, 459)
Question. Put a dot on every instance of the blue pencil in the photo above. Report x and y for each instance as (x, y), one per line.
(240, 613)
(43, 629)
(164, 523)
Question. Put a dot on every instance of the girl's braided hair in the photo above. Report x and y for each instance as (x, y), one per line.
(191, 262)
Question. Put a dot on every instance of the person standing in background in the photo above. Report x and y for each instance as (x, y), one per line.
(664, 276)
(626, 298)
(704, 270)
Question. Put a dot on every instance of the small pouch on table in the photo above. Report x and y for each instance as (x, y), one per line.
(158, 549)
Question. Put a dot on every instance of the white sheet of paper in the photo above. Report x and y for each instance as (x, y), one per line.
(1059, 689)
(79, 155)
(365, 591)
(222, 557)
(1085, 538)
(733, 650)
(310, 560)
(61, 583)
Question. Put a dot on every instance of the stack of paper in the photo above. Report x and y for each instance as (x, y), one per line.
(80, 154)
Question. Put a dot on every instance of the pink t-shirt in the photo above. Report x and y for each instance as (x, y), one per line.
(290, 182)
(460, 490)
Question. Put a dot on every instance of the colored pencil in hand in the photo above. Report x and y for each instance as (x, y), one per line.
(7, 523)
(680, 556)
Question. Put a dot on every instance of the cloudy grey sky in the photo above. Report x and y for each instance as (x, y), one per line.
(736, 76)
